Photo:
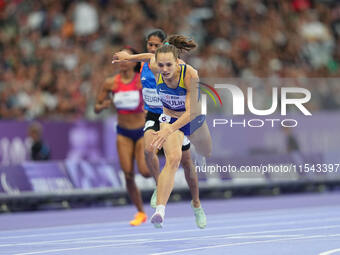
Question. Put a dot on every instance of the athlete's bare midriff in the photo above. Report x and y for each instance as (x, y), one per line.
(131, 120)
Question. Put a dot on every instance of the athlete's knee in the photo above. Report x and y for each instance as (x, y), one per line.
(186, 160)
(145, 173)
(173, 159)
(129, 176)
(208, 154)
(208, 148)
(187, 165)
(149, 151)
(205, 151)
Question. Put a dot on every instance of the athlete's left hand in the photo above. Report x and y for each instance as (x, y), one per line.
(120, 57)
(160, 137)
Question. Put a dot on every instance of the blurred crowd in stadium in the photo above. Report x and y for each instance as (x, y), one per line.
(55, 54)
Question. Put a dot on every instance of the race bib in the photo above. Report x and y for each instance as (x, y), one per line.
(164, 118)
(151, 98)
(173, 102)
(127, 100)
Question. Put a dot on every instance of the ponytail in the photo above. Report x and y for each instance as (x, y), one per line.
(181, 42)
(175, 44)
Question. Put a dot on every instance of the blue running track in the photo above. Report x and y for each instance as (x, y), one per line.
(306, 224)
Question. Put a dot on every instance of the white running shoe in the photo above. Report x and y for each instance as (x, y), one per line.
(157, 220)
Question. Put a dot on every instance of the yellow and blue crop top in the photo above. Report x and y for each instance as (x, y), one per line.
(173, 99)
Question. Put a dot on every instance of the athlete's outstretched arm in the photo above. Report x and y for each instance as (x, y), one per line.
(102, 102)
(123, 56)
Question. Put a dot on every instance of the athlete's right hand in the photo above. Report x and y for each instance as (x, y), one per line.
(106, 103)
(103, 105)
(119, 57)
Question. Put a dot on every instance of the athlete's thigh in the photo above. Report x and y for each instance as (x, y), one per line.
(148, 138)
(125, 148)
(202, 140)
(201, 137)
(173, 143)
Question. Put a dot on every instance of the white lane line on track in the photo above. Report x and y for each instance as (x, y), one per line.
(194, 238)
(330, 252)
(237, 244)
(177, 231)
(172, 232)
(223, 219)
(264, 213)
(134, 241)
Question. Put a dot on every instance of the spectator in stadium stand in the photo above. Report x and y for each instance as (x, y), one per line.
(292, 144)
(39, 149)
(54, 52)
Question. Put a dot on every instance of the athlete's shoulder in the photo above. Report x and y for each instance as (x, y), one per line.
(191, 72)
(110, 79)
(111, 82)
(138, 81)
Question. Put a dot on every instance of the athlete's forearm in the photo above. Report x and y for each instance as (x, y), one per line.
(181, 122)
(143, 57)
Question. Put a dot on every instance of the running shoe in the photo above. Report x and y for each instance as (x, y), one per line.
(157, 220)
(201, 218)
(140, 218)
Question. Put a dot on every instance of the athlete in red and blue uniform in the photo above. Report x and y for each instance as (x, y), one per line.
(125, 91)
